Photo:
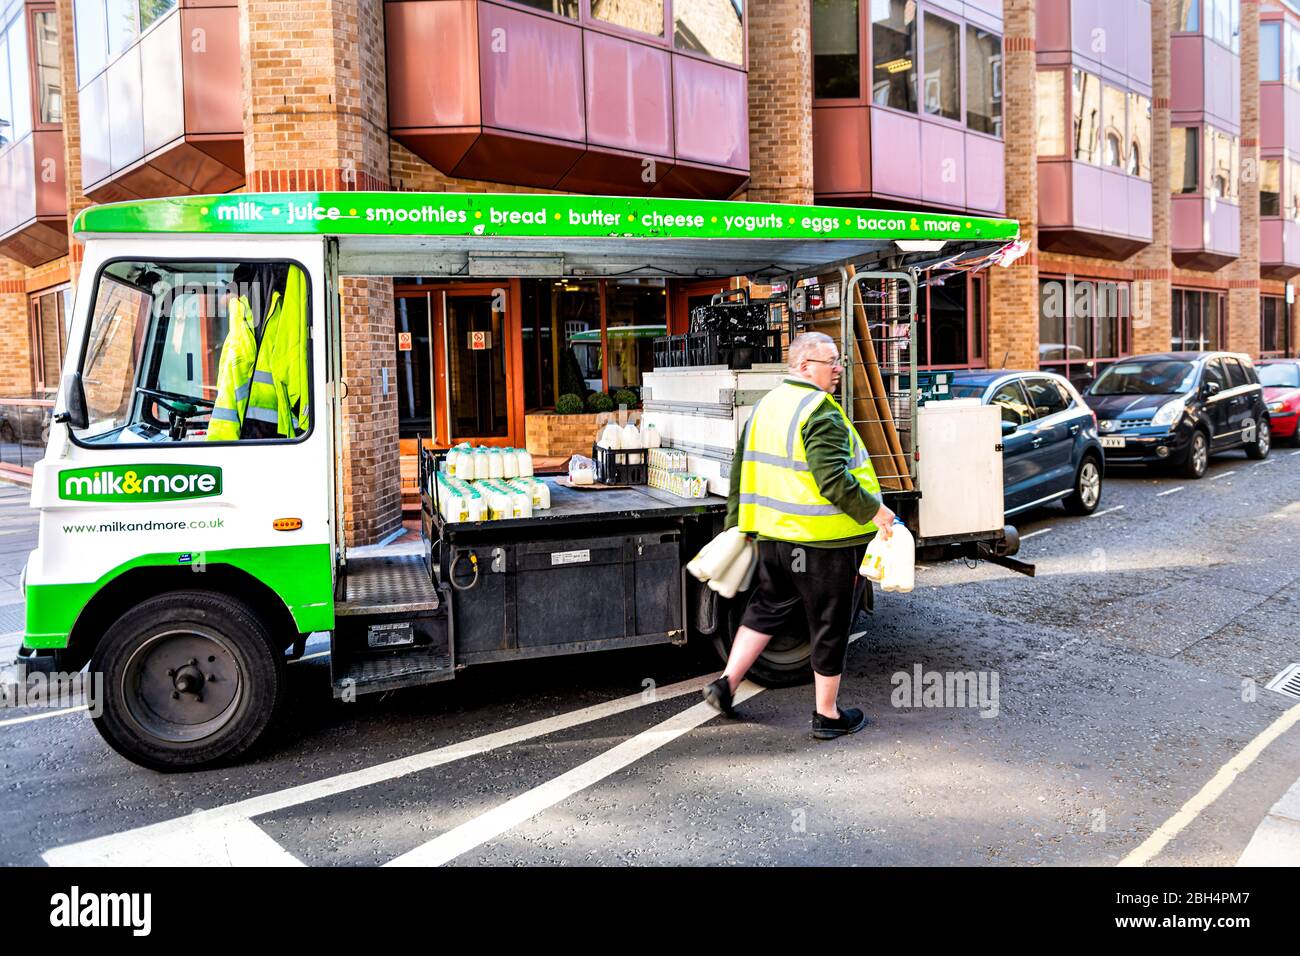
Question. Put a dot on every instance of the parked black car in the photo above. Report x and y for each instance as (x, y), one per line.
(1179, 408)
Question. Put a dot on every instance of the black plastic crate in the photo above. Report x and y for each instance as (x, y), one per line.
(670, 351)
(621, 466)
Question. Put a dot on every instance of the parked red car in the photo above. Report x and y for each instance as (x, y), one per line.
(1281, 381)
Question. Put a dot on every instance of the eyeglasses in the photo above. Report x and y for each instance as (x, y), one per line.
(833, 363)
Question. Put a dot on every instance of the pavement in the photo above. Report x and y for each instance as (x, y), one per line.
(1122, 718)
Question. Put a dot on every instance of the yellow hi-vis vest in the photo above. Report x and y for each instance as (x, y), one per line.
(266, 385)
(779, 497)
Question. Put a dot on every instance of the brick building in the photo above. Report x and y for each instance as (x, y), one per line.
(1150, 149)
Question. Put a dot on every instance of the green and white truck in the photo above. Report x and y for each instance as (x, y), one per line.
(188, 570)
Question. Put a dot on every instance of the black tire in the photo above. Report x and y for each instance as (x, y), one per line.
(785, 662)
(1087, 487)
(161, 708)
(1198, 456)
(1263, 443)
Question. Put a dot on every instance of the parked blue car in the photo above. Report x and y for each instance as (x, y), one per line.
(1050, 447)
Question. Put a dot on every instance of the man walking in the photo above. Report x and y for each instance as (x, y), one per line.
(806, 487)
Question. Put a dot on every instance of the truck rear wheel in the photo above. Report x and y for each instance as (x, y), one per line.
(785, 662)
(190, 680)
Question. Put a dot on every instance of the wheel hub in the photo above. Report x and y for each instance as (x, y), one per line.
(183, 685)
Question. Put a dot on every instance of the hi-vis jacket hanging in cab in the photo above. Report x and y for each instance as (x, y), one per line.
(263, 380)
(779, 497)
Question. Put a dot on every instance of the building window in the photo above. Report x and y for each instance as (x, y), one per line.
(893, 54)
(715, 28)
(1292, 60)
(1051, 113)
(1185, 159)
(51, 313)
(1082, 324)
(983, 81)
(1222, 152)
(636, 313)
(1115, 114)
(15, 88)
(1139, 135)
(643, 16)
(49, 85)
(105, 28)
(1273, 331)
(942, 68)
(1270, 187)
(1198, 320)
(1185, 16)
(1293, 189)
(1270, 52)
(1087, 117)
(836, 60)
(950, 321)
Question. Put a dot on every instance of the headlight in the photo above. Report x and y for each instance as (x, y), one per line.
(1169, 412)
(1277, 406)
(1106, 425)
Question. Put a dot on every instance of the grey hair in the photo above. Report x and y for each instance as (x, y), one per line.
(802, 346)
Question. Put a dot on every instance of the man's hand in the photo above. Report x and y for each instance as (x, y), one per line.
(884, 522)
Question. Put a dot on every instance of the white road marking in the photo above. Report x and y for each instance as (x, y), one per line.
(42, 715)
(510, 814)
(1224, 474)
(1220, 782)
(1294, 453)
(1266, 461)
(1026, 537)
(165, 843)
(1098, 514)
(1171, 491)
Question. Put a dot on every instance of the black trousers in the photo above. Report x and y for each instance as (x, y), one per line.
(806, 590)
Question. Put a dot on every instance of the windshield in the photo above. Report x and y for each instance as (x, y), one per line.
(196, 351)
(1160, 377)
(1284, 374)
(967, 391)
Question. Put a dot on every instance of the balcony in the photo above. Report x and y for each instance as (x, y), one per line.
(907, 107)
(1279, 141)
(1205, 66)
(503, 93)
(1205, 232)
(170, 108)
(1279, 249)
(33, 200)
(1094, 136)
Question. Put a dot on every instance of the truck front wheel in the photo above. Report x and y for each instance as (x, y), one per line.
(190, 679)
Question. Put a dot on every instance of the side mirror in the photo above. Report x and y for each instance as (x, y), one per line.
(1211, 389)
(1008, 427)
(77, 414)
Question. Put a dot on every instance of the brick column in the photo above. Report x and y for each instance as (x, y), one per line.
(15, 332)
(1243, 275)
(1152, 288)
(315, 103)
(1013, 292)
(780, 101)
(77, 200)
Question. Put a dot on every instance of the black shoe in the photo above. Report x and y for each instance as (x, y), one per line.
(718, 696)
(850, 721)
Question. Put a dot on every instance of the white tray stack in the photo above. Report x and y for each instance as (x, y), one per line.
(702, 409)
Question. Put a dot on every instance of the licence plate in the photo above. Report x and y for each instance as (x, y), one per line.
(1109, 442)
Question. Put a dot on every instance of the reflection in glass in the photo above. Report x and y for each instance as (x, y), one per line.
(1087, 117)
(893, 54)
(643, 16)
(942, 68)
(1270, 187)
(1051, 113)
(836, 61)
(984, 82)
(49, 84)
(715, 28)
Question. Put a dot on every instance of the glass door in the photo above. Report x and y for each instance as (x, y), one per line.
(473, 375)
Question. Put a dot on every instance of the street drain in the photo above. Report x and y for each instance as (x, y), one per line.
(1287, 682)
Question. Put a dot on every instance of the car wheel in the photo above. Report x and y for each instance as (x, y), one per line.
(1198, 455)
(1087, 488)
(190, 680)
(1263, 443)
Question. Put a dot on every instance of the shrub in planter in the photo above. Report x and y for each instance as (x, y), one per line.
(599, 402)
(568, 404)
(624, 398)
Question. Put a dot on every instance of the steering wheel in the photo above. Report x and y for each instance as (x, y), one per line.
(181, 405)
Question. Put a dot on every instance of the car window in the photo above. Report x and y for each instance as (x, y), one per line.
(1011, 400)
(1236, 374)
(1284, 374)
(1214, 373)
(1044, 397)
(1154, 377)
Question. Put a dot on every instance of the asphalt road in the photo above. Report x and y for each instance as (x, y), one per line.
(1129, 674)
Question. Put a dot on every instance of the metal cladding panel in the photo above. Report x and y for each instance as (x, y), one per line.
(710, 113)
(432, 61)
(842, 150)
(629, 95)
(531, 70)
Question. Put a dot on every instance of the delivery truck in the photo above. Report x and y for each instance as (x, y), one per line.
(192, 492)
